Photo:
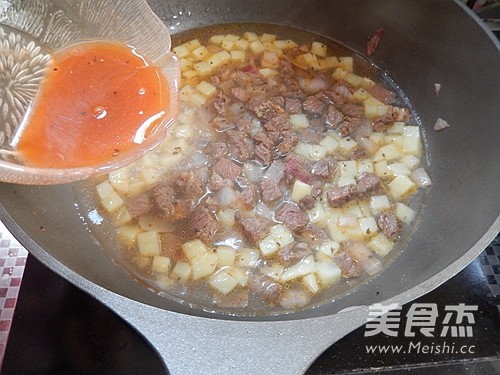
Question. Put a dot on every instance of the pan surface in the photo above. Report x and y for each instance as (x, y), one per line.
(425, 42)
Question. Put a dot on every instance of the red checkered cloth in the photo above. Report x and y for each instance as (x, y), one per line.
(12, 261)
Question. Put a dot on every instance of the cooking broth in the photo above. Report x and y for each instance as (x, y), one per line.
(287, 181)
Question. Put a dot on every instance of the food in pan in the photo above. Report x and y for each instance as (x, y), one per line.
(290, 175)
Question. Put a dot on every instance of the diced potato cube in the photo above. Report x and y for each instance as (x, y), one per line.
(151, 176)
(311, 152)
(285, 44)
(353, 79)
(347, 144)
(299, 121)
(189, 74)
(112, 202)
(411, 161)
(382, 169)
(148, 243)
(348, 168)
(185, 64)
(223, 282)
(186, 92)
(161, 264)
(374, 109)
(250, 36)
(203, 265)
(257, 47)
(267, 72)
(377, 138)
(128, 233)
(379, 203)
(381, 244)
(330, 143)
(360, 95)
(217, 39)
(388, 152)
(104, 189)
(328, 273)
(181, 272)
(368, 225)
(203, 68)
(339, 73)
(365, 166)
(411, 140)
(197, 99)
(192, 44)
(399, 169)
(200, 53)
(218, 59)
(206, 88)
(231, 37)
(302, 268)
(274, 271)
(310, 283)
(237, 55)
(181, 51)
(346, 63)
(241, 44)
(367, 83)
(227, 44)
(121, 217)
(300, 190)
(346, 180)
(319, 49)
(267, 37)
(396, 128)
(226, 217)
(119, 180)
(329, 62)
(247, 258)
(317, 214)
(281, 235)
(240, 275)
(225, 255)
(194, 248)
(268, 246)
(329, 247)
(395, 139)
(404, 213)
(321, 257)
(402, 186)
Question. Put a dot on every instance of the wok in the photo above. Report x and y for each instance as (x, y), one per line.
(425, 42)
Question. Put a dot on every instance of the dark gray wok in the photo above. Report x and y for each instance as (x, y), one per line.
(425, 42)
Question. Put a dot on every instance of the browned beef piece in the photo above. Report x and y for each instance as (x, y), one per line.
(367, 184)
(183, 208)
(388, 222)
(294, 252)
(285, 68)
(270, 190)
(263, 154)
(254, 227)
(307, 202)
(334, 97)
(348, 125)
(261, 137)
(278, 123)
(293, 105)
(216, 182)
(348, 266)
(313, 105)
(324, 168)
(312, 235)
(241, 147)
(352, 110)
(236, 299)
(333, 117)
(292, 217)
(163, 196)
(338, 196)
(265, 287)
(243, 123)
(314, 133)
(189, 184)
(358, 153)
(264, 109)
(227, 169)
(240, 94)
(221, 124)
(249, 196)
(203, 224)
(297, 170)
(393, 114)
(288, 142)
(220, 103)
(139, 206)
(216, 150)
(379, 92)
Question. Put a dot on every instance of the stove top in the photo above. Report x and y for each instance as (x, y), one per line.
(58, 329)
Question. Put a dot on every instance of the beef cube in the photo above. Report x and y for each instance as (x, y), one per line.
(227, 169)
(163, 197)
(278, 123)
(139, 206)
(254, 227)
(261, 137)
(333, 117)
(216, 182)
(241, 147)
(270, 190)
(221, 124)
(348, 266)
(263, 154)
(338, 196)
(288, 142)
(379, 92)
(312, 235)
(249, 196)
(307, 202)
(292, 217)
(293, 105)
(313, 105)
(216, 150)
(189, 184)
(388, 223)
(294, 252)
(367, 184)
(203, 224)
(297, 170)
(220, 103)
(265, 287)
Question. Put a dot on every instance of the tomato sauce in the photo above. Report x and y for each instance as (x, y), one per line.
(98, 99)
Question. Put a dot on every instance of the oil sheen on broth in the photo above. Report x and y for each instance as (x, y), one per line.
(293, 174)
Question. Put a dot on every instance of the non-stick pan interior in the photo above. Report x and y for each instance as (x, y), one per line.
(425, 42)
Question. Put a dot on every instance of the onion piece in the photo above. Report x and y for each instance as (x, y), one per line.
(347, 220)
(368, 145)
(294, 298)
(264, 211)
(440, 125)
(275, 171)
(199, 159)
(253, 172)
(364, 130)
(421, 177)
(365, 257)
(313, 85)
(225, 196)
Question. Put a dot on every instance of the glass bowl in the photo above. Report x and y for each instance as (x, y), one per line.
(31, 30)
